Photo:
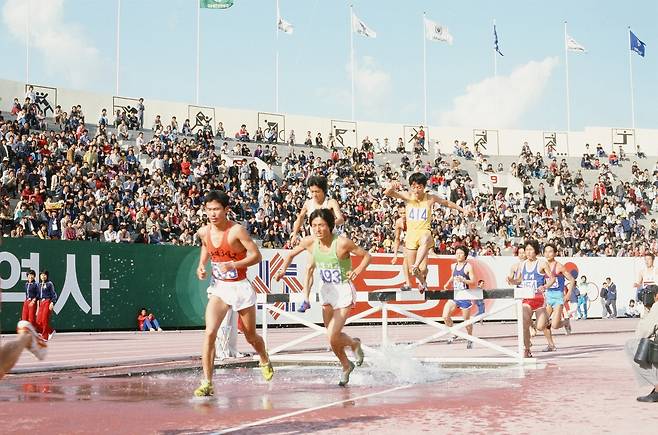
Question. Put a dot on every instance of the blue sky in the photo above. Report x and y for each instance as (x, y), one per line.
(238, 45)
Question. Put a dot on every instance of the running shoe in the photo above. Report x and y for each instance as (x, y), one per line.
(422, 288)
(38, 346)
(567, 326)
(266, 370)
(345, 377)
(358, 352)
(204, 390)
(469, 345)
(549, 348)
(303, 307)
(405, 288)
(452, 339)
(527, 353)
(51, 335)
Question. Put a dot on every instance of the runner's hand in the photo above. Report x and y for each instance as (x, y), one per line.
(226, 267)
(395, 258)
(278, 275)
(354, 273)
(201, 272)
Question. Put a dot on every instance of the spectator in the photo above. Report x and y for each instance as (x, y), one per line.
(646, 372)
(46, 304)
(611, 298)
(147, 321)
(29, 312)
(632, 309)
(140, 113)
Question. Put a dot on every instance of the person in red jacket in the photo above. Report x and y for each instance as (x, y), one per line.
(147, 321)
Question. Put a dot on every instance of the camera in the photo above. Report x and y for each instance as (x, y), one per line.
(647, 295)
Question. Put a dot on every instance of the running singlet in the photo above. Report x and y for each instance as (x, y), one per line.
(458, 285)
(311, 205)
(533, 279)
(419, 216)
(558, 285)
(223, 254)
(332, 269)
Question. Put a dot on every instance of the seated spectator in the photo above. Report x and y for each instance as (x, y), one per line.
(309, 140)
(147, 321)
(632, 309)
(243, 134)
(187, 128)
(599, 151)
(220, 133)
(613, 159)
(640, 154)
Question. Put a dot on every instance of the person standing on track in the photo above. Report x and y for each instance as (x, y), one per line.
(462, 277)
(419, 207)
(47, 300)
(317, 186)
(400, 231)
(555, 295)
(536, 276)
(332, 256)
(231, 251)
(29, 312)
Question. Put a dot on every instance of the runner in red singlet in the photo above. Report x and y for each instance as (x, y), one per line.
(230, 250)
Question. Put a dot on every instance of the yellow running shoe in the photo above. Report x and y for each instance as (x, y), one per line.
(204, 390)
(267, 370)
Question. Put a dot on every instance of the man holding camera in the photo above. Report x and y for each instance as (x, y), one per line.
(646, 370)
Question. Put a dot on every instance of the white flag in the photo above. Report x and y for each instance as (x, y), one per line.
(572, 45)
(360, 27)
(437, 32)
(285, 26)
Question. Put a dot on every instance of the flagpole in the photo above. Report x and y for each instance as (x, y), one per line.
(276, 72)
(27, 44)
(495, 55)
(424, 73)
(118, 45)
(352, 54)
(630, 70)
(566, 67)
(198, 34)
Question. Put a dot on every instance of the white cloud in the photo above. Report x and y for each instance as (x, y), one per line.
(500, 102)
(63, 46)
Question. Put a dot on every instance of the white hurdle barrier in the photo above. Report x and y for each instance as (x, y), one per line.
(510, 298)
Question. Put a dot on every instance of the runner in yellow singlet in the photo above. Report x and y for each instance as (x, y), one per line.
(419, 206)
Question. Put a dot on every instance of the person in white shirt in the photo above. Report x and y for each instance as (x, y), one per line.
(109, 235)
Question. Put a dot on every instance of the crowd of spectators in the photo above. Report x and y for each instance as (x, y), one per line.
(62, 181)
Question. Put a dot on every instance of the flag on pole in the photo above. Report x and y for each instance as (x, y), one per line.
(285, 26)
(437, 32)
(360, 28)
(573, 45)
(637, 45)
(215, 4)
(496, 47)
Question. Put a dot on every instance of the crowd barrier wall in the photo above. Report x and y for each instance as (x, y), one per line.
(101, 286)
(503, 142)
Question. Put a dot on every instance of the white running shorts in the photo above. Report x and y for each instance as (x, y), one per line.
(338, 295)
(238, 294)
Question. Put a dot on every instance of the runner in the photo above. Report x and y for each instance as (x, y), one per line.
(317, 186)
(462, 277)
(331, 255)
(400, 232)
(555, 295)
(419, 206)
(535, 275)
(230, 250)
(648, 275)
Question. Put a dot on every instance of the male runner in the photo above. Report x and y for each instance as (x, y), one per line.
(317, 186)
(648, 275)
(535, 275)
(419, 207)
(555, 296)
(400, 231)
(230, 250)
(462, 277)
(331, 255)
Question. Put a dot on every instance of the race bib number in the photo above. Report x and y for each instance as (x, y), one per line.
(417, 214)
(330, 276)
(218, 274)
(458, 285)
(530, 284)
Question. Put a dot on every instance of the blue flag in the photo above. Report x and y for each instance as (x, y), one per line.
(496, 47)
(637, 45)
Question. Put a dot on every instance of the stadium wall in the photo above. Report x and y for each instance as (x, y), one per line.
(496, 141)
(101, 286)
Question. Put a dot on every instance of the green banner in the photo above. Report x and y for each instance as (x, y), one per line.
(215, 4)
(101, 286)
